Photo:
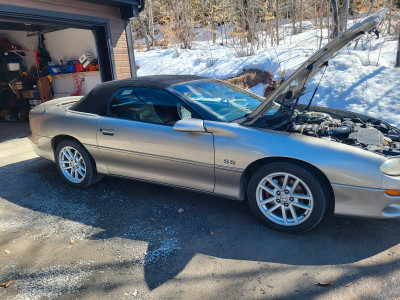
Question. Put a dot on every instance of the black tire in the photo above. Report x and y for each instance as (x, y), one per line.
(311, 217)
(91, 176)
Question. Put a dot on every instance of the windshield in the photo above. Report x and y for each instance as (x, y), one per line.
(224, 101)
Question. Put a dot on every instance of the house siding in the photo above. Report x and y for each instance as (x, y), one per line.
(117, 28)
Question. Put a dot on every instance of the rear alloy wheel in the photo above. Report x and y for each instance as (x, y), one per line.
(287, 197)
(72, 164)
(75, 164)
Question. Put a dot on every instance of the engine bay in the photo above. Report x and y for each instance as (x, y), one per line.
(339, 126)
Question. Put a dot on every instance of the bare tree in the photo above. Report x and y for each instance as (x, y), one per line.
(246, 25)
(144, 32)
(329, 19)
(224, 21)
(183, 25)
(212, 21)
(321, 22)
(277, 22)
(347, 13)
(372, 6)
(150, 21)
(397, 65)
(335, 15)
(342, 15)
(293, 16)
(301, 15)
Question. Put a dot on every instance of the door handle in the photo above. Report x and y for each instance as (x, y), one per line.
(107, 131)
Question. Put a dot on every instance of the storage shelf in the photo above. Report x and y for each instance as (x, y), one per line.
(18, 51)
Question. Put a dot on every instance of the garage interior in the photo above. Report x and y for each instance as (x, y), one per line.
(51, 49)
(30, 77)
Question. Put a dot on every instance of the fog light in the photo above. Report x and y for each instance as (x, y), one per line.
(393, 192)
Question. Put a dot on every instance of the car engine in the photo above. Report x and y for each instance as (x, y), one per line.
(336, 125)
(348, 128)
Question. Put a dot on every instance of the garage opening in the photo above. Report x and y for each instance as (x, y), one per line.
(40, 62)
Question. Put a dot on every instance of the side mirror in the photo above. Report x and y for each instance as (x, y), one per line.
(190, 125)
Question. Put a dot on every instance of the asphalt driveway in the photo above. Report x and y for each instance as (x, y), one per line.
(123, 239)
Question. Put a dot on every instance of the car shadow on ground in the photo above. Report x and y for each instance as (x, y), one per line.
(179, 224)
(13, 130)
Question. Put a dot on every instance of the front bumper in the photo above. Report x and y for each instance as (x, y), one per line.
(42, 146)
(365, 202)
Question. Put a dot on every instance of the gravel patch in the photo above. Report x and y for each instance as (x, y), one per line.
(38, 225)
(50, 282)
(167, 247)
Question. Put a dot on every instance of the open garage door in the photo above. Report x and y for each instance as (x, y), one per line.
(39, 61)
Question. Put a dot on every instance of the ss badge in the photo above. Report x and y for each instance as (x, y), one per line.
(229, 162)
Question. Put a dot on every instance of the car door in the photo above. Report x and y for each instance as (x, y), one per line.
(136, 139)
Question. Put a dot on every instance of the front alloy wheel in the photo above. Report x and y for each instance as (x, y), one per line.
(284, 199)
(288, 197)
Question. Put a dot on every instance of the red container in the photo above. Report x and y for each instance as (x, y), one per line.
(79, 67)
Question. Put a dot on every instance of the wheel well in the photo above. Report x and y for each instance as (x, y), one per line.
(59, 138)
(254, 166)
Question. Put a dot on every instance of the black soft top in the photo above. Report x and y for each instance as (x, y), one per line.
(97, 99)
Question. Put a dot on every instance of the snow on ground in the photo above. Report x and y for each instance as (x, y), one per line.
(363, 81)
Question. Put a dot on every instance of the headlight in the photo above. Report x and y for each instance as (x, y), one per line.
(391, 167)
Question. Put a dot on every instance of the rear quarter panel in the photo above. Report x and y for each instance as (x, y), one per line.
(54, 121)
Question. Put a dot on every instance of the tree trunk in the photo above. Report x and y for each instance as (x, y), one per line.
(321, 22)
(335, 18)
(152, 36)
(150, 20)
(372, 6)
(347, 13)
(225, 21)
(301, 17)
(270, 25)
(247, 26)
(342, 17)
(213, 24)
(203, 21)
(253, 18)
(329, 19)
(144, 32)
(293, 16)
(277, 22)
(397, 65)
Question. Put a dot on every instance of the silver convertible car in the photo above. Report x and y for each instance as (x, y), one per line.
(291, 162)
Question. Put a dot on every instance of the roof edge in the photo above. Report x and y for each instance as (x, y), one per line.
(117, 3)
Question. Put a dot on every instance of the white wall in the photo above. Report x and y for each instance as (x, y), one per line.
(63, 44)
(69, 43)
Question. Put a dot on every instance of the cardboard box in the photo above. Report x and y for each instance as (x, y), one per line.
(28, 94)
(86, 59)
(45, 90)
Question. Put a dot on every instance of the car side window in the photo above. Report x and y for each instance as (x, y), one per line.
(147, 105)
(123, 104)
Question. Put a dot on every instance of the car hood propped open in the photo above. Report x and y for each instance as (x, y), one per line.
(317, 61)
